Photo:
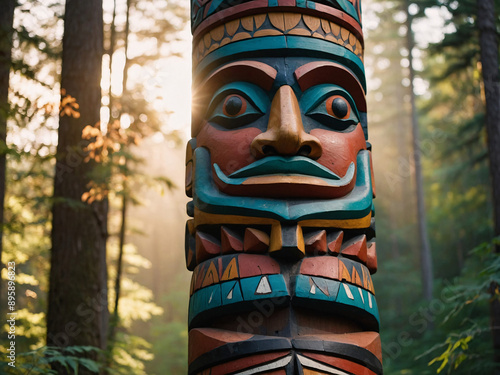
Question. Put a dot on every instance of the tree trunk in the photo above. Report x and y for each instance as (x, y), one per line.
(78, 295)
(6, 22)
(425, 251)
(123, 224)
(489, 59)
(119, 266)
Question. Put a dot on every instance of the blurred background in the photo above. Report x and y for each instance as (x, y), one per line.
(426, 126)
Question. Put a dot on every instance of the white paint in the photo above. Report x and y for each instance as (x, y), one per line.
(263, 287)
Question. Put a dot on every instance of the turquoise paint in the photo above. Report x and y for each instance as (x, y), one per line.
(284, 46)
(355, 205)
(311, 4)
(277, 283)
(315, 95)
(213, 6)
(204, 299)
(334, 182)
(252, 92)
(322, 48)
(303, 288)
(285, 165)
(349, 9)
(374, 309)
(237, 296)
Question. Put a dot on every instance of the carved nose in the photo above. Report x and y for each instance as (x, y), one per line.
(285, 133)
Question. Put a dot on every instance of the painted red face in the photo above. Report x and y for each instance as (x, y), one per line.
(281, 141)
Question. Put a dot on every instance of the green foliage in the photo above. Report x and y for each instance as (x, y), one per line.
(39, 361)
(452, 330)
(468, 346)
(451, 351)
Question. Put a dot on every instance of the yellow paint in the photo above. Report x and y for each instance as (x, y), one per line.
(291, 20)
(259, 20)
(313, 372)
(326, 26)
(276, 241)
(202, 218)
(247, 23)
(211, 277)
(300, 239)
(343, 272)
(232, 26)
(217, 34)
(283, 24)
(231, 271)
(277, 20)
(364, 222)
(355, 277)
(366, 277)
(311, 22)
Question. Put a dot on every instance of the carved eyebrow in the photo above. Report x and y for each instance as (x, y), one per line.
(255, 72)
(319, 72)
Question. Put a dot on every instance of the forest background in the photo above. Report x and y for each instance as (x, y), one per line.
(439, 268)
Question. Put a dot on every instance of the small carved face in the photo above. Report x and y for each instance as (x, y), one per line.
(284, 127)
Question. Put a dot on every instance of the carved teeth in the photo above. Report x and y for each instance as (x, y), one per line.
(190, 245)
(335, 242)
(207, 247)
(316, 243)
(255, 241)
(371, 263)
(356, 249)
(230, 241)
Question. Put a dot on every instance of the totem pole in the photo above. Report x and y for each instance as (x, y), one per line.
(281, 240)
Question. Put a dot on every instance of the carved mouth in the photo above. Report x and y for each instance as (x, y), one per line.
(279, 170)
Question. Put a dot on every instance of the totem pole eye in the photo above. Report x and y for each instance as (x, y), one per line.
(232, 108)
(234, 105)
(335, 111)
(338, 107)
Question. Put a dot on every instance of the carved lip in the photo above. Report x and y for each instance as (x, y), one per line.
(295, 168)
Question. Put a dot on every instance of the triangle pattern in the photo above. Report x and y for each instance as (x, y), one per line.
(231, 271)
(263, 287)
(343, 272)
(230, 294)
(322, 285)
(211, 277)
(356, 279)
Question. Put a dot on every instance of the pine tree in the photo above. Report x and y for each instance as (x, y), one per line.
(6, 22)
(77, 305)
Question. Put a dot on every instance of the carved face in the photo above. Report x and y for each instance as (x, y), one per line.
(287, 127)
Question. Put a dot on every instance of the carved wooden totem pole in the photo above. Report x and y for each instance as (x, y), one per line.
(281, 240)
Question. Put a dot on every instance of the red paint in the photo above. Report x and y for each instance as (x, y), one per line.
(321, 266)
(256, 265)
(357, 250)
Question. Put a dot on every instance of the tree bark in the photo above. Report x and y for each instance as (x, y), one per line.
(6, 23)
(123, 224)
(489, 59)
(78, 295)
(425, 251)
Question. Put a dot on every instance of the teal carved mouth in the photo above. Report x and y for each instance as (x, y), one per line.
(208, 198)
(286, 166)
